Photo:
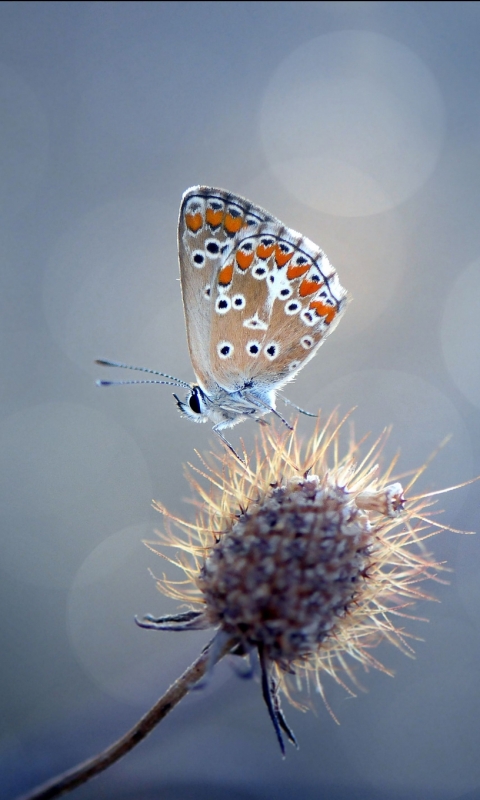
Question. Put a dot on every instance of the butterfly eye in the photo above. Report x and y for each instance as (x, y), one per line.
(194, 402)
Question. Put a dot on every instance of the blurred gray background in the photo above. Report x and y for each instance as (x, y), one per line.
(356, 123)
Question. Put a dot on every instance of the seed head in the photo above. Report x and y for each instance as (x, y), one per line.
(304, 557)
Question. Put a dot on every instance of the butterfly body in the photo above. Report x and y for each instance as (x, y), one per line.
(259, 299)
(226, 408)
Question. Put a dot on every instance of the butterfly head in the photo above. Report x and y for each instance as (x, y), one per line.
(195, 405)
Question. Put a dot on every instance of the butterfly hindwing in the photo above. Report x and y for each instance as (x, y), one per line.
(275, 300)
(209, 222)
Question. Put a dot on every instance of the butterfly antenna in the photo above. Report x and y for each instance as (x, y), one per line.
(103, 363)
(133, 383)
(302, 410)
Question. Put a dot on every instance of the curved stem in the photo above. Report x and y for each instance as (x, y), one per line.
(93, 766)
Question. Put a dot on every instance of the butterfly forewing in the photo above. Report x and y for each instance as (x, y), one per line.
(209, 224)
(275, 300)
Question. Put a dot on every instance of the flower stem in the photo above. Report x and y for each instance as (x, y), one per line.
(82, 773)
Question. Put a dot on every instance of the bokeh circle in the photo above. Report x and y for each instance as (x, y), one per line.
(352, 123)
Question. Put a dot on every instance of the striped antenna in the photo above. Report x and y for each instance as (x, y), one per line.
(171, 382)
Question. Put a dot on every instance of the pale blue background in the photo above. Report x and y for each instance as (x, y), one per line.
(109, 111)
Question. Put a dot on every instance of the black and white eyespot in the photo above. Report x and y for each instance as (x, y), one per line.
(238, 302)
(225, 349)
(285, 293)
(247, 247)
(212, 248)
(293, 365)
(259, 272)
(292, 307)
(299, 260)
(271, 350)
(307, 342)
(253, 348)
(198, 258)
(194, 205)
(223, 304)
(215, 205)
(207, 291)
(308, 317)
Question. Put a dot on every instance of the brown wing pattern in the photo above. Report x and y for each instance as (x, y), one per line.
(210, 221)
(275, 299)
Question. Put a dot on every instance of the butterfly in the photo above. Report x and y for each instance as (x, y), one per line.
(259, 300)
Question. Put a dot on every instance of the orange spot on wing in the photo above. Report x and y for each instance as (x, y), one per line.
(194, 221)
(214, 218)
(297, 270)
(232, 224)
(244, 259)
(226, 274)
(281, 257)
(308, 287)
(329, 312)
(265, 251)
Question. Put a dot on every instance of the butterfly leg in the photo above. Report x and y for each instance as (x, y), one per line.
(260, 404)
(302, 410)
(227, 443)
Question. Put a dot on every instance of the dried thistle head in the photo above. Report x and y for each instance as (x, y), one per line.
(305, 557)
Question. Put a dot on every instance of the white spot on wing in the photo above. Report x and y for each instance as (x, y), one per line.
(308, 317)
(212, 248)
(225, 349)
(292, 307)
(260, 272)
(198, 259)
(255, 323)
(238, 302)
(223, 304)
(253, 348)
(307, 342)
(271, 350)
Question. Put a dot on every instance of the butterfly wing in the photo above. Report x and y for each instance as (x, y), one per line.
(275, 300)
(209, 223)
